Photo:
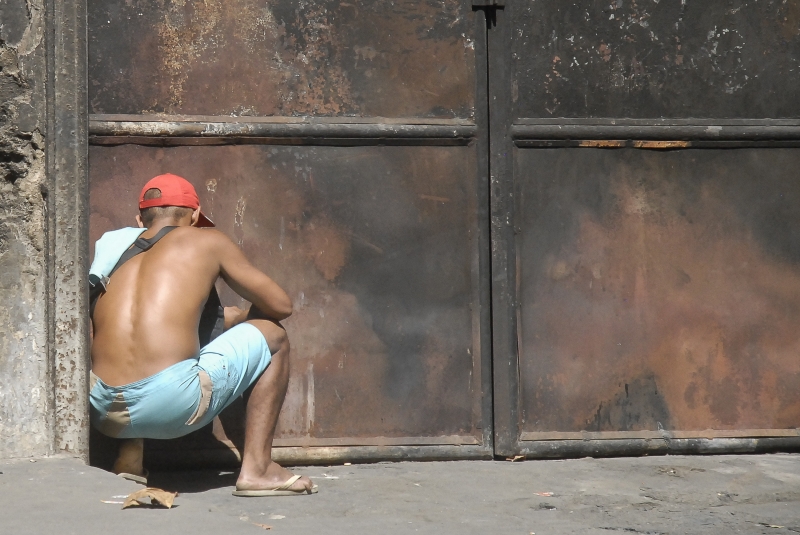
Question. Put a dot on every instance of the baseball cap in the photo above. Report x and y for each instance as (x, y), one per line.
(175, 191)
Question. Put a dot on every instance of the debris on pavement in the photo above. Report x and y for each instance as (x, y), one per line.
(515, 458)
(544, 494)
(276, 517)
(157, 497)
(262, 526)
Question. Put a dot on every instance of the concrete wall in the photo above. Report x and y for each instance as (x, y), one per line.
(26, 400)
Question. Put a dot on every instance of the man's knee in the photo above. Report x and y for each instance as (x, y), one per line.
(274, 334)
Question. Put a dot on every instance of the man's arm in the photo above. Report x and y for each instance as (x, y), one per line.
(250, 283)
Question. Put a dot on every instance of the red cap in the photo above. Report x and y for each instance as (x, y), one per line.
(175, 191)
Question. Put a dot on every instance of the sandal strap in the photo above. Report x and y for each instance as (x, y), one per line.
(289, 483)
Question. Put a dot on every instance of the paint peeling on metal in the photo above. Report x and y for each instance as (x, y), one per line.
(662, 144)
(656, 59)
(242, 57)
(602, 143)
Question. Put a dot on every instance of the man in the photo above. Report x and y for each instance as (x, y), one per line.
(150, 377)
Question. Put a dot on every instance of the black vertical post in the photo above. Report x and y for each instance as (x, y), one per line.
(504, 327)
(484, 236)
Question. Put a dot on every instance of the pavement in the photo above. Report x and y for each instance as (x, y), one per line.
(645, 495)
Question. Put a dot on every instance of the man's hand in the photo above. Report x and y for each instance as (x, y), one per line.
(234, 316)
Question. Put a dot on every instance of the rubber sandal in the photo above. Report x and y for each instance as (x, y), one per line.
(283, 490)
(142, 480)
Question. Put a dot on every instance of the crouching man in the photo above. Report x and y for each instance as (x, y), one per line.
(150, 376)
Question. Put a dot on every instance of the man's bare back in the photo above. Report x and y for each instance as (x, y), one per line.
(148, 318)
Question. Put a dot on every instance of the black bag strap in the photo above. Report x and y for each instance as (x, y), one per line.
(97, 285)
(139, 246)
(212, 319)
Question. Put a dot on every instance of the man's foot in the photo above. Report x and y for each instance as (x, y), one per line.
(129, 463)
(275, 481)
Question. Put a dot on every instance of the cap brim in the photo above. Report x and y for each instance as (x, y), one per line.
(204, 221)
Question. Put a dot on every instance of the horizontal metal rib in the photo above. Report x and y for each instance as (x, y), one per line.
(655, 133)
(222, 457)
(700, 434)
(551, 449)
(205, 130)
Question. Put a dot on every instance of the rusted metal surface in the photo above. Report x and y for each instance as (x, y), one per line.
(377, 247)
(658, 435)
(658, 290)
(706, 130)
(249, 57)
(185, 130)
(662, 446)
(618, 144)
(602, 143)
(662, 144)
(654, 59)
(667, 78)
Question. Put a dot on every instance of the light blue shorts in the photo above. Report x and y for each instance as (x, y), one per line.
(187, 395)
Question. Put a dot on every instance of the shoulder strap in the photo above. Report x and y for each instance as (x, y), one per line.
(139, 246)
(98, 287)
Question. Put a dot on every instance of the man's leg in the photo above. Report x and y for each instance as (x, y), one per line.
(264, 404)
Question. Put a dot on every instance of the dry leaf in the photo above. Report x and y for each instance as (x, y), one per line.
(156, 497)
(262, 526)
(515, 458)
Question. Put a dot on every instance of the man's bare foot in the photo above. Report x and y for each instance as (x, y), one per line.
(272, 478)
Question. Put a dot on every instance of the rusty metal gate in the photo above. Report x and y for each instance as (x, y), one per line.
(336, 143)
(645, 201)
(539, 228)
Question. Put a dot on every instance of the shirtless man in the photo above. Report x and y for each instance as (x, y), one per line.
(150, 377)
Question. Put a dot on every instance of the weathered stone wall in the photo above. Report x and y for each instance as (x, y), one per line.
(25, 385)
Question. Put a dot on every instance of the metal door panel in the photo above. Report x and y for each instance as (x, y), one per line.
(377, 248)
(281, 113)
(658, 290)
(255, 58)
(644, 301)
(655, 59)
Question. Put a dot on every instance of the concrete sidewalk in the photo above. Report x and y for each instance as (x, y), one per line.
(649, 495)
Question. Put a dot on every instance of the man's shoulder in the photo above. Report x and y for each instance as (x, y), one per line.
(204, 237)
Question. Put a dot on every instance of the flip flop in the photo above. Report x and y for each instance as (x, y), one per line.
(283, 490)
(142, 480)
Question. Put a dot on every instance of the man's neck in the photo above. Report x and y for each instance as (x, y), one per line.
(157, 225)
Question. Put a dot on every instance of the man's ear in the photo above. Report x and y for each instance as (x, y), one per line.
(195, 217)
(139, 221)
